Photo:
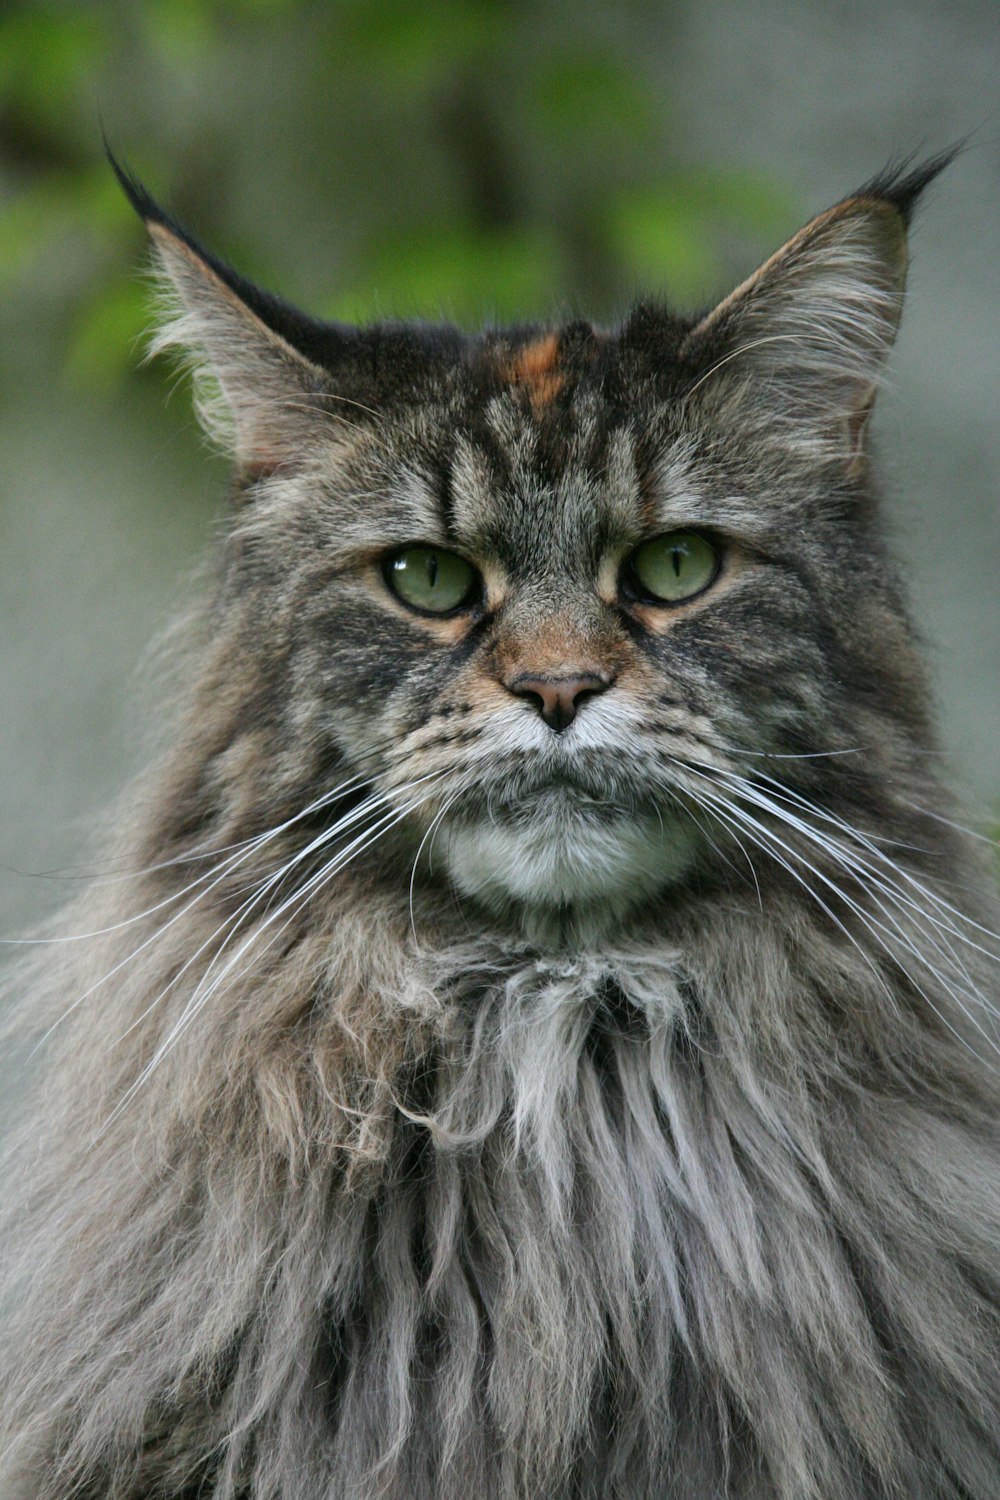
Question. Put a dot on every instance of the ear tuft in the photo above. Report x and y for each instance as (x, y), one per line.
(141, 200)
(902, 182)
(296, 328)
(258, 395)
(799, 349)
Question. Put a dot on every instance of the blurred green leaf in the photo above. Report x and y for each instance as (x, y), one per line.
(661, 242)
(462, 274)
(179, 31)
(83, 205)
(418, 45)
(266, 7)
(670, 236)
(587, 92)
(47, 57)
(107, 337)
(752, 201)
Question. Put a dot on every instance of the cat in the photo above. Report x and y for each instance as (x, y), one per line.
(543, 1039)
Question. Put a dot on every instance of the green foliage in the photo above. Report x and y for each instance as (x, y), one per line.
(46, 54)
(462, 273)
(477, 159)
(675, 232)
(417, 47)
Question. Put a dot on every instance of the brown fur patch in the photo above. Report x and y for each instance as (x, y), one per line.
(535, 367)
(557, 647)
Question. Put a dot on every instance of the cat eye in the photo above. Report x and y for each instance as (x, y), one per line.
(430, 579)
(673, 567)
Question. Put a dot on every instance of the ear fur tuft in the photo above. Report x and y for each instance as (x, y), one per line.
(798, 350)
(305, 334)
(902, 182)
(142, 201)
(257, 392)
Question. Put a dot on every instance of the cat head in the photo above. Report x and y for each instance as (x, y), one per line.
(540, 587)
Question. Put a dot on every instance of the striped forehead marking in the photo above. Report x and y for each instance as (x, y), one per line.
(536, 368)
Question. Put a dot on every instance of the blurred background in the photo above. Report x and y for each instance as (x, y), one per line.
(477, 159)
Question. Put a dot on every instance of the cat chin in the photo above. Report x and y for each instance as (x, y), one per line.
(568, 855)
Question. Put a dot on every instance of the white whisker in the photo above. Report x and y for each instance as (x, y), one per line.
(251, 845)
(890, 935)
(431, 829)
(878, 853)
(790, 755)
(769, 843)
(259, 890)
(984, 838)
(203, 993)
(219, 873)
(878, 930)
(685, 806)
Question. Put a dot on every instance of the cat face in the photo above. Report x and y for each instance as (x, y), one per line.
(518, 701)
(525, 584)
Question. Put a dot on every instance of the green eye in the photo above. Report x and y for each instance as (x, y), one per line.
(429, 579)
(675, 566)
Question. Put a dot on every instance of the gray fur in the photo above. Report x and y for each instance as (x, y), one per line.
(654, 1156)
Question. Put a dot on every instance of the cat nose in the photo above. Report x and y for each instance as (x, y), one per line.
(558, 698)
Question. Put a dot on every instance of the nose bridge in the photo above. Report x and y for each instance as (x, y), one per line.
(561, 640)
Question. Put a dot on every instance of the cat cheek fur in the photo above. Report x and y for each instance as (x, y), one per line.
(445, 1105)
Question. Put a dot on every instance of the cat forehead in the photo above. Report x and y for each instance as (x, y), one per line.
(537, 368)
(547, 370)
(538, 417)
(523, 442)
(536, 502)
(523, 484)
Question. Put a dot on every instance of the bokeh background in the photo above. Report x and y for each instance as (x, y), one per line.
(472, 158)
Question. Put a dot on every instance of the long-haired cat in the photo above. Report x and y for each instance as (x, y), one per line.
(544, 1043)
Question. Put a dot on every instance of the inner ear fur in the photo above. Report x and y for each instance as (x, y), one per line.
(799, 348)
(257, 396)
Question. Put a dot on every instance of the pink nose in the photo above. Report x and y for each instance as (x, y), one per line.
(558, 698)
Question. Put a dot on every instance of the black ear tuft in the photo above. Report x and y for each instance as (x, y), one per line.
(804, 340)
(152, 214)
(310, 337)
(902, 181)
(141, 200)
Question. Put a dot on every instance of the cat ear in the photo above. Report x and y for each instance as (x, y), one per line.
(798, 350)
(257, 391)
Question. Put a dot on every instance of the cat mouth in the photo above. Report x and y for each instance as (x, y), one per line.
(597, 787)
(566, 798)
(552, 799)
